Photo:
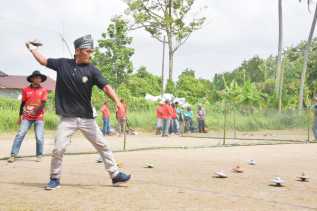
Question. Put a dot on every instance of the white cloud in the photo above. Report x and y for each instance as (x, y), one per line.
(235, 30)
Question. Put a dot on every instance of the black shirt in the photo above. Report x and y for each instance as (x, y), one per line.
(74, 85)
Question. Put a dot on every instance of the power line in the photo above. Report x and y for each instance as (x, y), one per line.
(64, 41)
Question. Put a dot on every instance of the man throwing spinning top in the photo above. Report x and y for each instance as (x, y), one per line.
(75, 80)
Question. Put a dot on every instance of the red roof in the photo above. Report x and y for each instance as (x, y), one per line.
(19, 82)
(2, 74)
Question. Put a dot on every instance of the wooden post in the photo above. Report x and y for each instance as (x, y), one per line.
(124, 135)
(234, 124)
(224, 123)
(163, 64)
(308, 125)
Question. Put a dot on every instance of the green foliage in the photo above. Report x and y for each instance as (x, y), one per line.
(193, 89)
(8, 103)
(261, 74)
(172, 19)
(159, 16)
(170, 87)
(113, 55)
(141, 83)
(141, 115)
(245, 95)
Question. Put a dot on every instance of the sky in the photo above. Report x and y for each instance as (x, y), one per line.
(235, 30)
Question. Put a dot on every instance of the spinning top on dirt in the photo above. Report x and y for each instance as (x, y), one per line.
(220, 174)
(237, 169)
(120, 164)
(278, 182)
(303, 177)
(148, 166)
(252, 162)
(99, 160)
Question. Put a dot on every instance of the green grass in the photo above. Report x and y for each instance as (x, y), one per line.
(260, 120)
(145, 120)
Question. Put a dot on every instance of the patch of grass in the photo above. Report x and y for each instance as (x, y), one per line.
(144, 118)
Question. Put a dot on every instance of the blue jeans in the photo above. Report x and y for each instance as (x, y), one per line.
(201, 125)
(39, 136)
(165, 127)
(174, 126)
(106, 126)
(188, 125)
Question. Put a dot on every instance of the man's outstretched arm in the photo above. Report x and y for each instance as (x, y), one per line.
(40, 58)
(112, 94)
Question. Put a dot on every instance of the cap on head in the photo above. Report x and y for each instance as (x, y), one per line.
(84, 42)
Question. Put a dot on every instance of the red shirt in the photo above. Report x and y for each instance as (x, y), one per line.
(174, 114)
(121, 114)
(159, 112)
(33, 97)
(167, 111)
(105, 111)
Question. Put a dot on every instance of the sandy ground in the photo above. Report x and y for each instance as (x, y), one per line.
(145, 140)
(182, 179)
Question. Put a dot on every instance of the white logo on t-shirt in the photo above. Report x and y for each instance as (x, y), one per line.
(85, 79)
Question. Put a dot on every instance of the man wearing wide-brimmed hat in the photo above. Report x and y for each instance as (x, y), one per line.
(31, 112)
(75, 80)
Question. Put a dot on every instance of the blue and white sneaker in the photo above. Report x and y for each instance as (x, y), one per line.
(120, 178)
(53, 184)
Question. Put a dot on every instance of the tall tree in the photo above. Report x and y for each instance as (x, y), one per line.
(171, 18)
(113, 55)
(279, 75)
(306, 57)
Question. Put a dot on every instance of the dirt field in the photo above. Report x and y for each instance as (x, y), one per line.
(182, 179)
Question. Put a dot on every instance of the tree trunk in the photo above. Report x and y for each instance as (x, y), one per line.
(170, 44)
(306, 54)
(170, 57)
(163, 68)
(280, 94)
(280, 48)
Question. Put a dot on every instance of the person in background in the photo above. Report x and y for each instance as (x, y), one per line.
(180, 116)
(174, 126)
(32, 106)
(188, 117)
(201, 115)
(166, 117)
(106, 119)
(159, 114)
(121, 116)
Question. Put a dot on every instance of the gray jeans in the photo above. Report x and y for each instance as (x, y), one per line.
(66, 128)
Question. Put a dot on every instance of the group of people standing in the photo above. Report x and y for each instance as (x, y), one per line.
(173, 119)
(167, 122)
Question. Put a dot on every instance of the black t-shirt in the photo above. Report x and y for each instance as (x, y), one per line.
(74, 87)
